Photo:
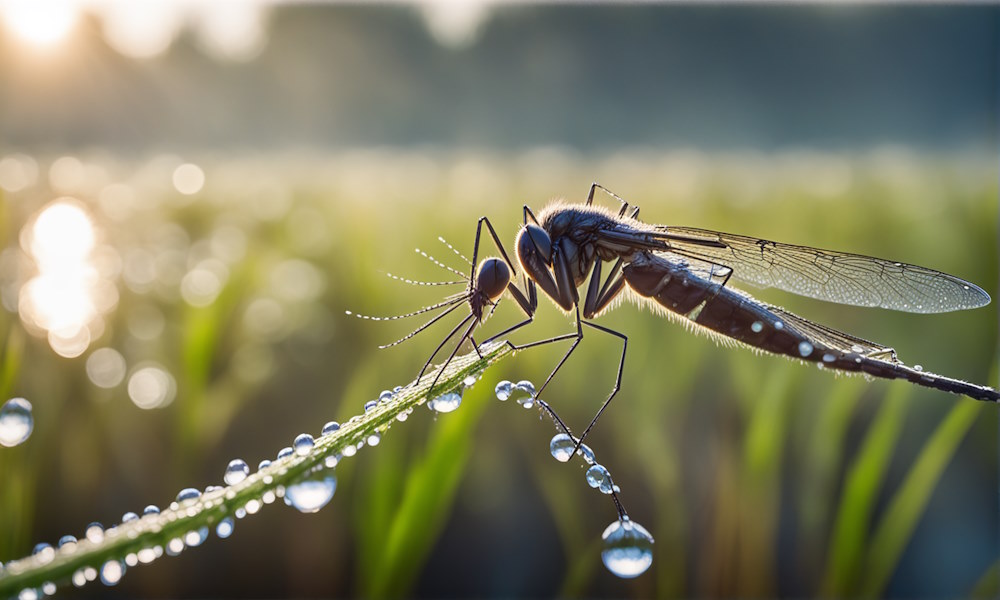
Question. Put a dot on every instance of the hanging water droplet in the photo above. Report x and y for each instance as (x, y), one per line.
(28, 594)
(385, 396)
(628, 548)
(79, 580)
(599, 478)
(285, 452)
(44, 553)
(95, 532)
(374, 439)
(111, 572)
(196, 537)
(370, 405)
(16, 422)
(303, 444)
(310, 495)
(236, 471)
(469, 381)
(252, 506)
(756, 327)
(188, 494)
(805, 349)
(402, 416)
(147, 555)
(175, 547)
(330, 428)
(525, 386)
(331, 461)
(225, 528)
(445, 403)
(152, 509)
(240, 512)
(587, 454)
(350, 450)
(90, 573)
(503, 390)
(561, 447)
(131, 559)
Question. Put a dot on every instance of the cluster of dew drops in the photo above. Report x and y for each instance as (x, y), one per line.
(628, 547)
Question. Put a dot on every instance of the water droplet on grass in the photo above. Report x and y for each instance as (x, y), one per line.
(918, 368)
(370, 405)
(310, 495)
(225, 528)
(561, 447)
(284, 452)
(95, 532)
(445, 403)
(129, 516)
(628, 548)
(330, 428)
(303, 444)
(68, 542)
(374, 439)
(385, 396)
(16, 422)
(111, 572)
(503, 390)
(236, 471)
(599, 478)
(44, 553)
(196, 537)
(263, 464)
(152, 509)
(188, 494)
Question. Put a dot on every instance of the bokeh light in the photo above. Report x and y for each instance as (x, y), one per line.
(106, 367)
(151, 386)
(39, 23)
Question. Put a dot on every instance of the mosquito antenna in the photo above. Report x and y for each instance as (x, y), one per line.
(421, 328)
(439, 263)
(425, 283)
(451, 300)
(455, 250)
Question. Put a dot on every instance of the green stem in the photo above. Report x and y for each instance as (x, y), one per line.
(212, 507)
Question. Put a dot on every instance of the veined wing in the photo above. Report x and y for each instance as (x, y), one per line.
(825, 274)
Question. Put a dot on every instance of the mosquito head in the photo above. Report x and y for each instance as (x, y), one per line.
(533, 240)
(492, 277)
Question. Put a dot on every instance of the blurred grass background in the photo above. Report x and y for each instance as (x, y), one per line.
(757, 476)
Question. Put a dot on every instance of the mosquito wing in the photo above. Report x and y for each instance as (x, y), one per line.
(825, 274)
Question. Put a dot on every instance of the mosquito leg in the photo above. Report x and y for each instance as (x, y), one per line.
(618, 379)
(466, 335)
(579, 336)
(443, 342)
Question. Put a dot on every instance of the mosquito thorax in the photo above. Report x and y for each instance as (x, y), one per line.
(492, 277)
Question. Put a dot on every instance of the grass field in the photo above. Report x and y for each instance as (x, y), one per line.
(757, 476)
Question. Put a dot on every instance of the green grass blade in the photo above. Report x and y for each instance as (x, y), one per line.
(861, 490)
(910, 500)
(212, 507)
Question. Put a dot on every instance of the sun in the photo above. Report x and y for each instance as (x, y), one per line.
(39, 23)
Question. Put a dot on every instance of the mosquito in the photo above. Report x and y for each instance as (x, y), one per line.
(684, 273)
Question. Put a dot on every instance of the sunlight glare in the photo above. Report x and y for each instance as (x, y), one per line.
(39, 23)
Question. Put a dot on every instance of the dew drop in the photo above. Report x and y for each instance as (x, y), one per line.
(587, 454)
(445, 403)
(131, 559)
(28, 594)
(370, 405)
(285, 452)
(374, 439)
(599, 478)
(918, 368)
(175, 547)
(303, 444)
(470, 380)
(129, 516)
(152, 509)
(402, 416)
(756, 327)
(252, 506)
(48, 588)
(310, 495)
(146, 555)
(95, 533)
(331, 461)
(525, 386)
(90, 573)
(829, 357)
(561, 447)
(44, 553)
(385, 396)
(779, 325)
(350, 450)
(628, 548)
(240, 512)
(79, 580)
(503, 390)
(188, 494)
(111, 572)
(67, 542)
(330, 428)
(236, 471)
(196, 537)
(805, 349)
(263, 464)
(225, 528)
(16, 422)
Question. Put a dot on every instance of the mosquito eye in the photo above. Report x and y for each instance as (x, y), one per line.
(540, 239)
(492, 277)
